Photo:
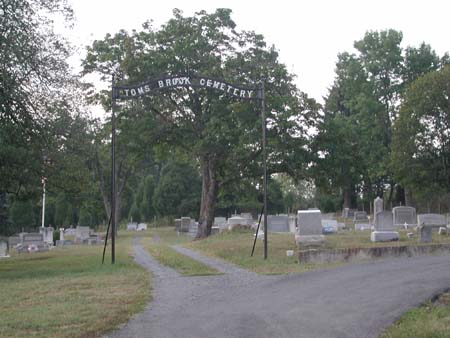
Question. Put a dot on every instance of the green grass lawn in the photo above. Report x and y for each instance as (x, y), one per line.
(66, 292)
(431, 320)
(159, 247)
(235, 246)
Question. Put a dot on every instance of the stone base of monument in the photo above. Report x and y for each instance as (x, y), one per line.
(319, 256)
(309, 241)
(384, 236)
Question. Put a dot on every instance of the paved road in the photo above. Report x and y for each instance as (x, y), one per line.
(357, 300)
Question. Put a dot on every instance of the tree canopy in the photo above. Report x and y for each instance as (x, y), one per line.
(222, 135)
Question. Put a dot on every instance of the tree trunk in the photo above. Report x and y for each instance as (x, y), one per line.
(210, 188)
(408, 197)
(347, 198)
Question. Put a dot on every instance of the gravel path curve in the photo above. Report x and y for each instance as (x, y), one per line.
(357, 300)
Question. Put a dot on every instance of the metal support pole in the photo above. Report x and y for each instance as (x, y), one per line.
(43, 202)
(113, 173)
(263, 120)
(257, 231)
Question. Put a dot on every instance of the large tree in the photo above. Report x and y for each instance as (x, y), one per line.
(222, 135)
(421, 144)
(354, 140)
(33, 75)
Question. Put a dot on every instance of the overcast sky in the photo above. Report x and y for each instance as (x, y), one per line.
(307, 34)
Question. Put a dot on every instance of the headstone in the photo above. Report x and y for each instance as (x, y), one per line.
(61, 234)
(47, 233)
(247, 215)
(384, 228)
(360, 216)
(404, 217)
(410, 235)
(141, 227)
(330, 223)
(82, 234)
(292, 223)
(442, 231)
(309, 228)
(348, 213)
(426, 222)
(278, 223)
(131, 226)
(4, 248)
(237, 221)
(94, 239)
(378, 206)
(193, 228)
(70, 232)
(13, 241)
(32, 242)
(185, 223)
(178, 224)
(221, 223)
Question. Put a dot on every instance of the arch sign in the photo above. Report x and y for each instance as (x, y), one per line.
(194, 81)
(170, 82)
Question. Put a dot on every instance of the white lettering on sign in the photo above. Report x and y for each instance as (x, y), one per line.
(186, 81)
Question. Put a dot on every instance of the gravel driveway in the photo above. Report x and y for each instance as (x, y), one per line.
(357, 300)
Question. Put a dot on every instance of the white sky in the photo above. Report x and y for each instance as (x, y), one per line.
(308, 34)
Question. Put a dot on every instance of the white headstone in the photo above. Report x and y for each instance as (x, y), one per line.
(426, 222)
(309, 231)
(141, 227)
(220, 222)
(432, 220)
(61, 234)
(47, 233)
(4, 248)
(178, 224)
(384, 228)
(70, 232)
(378, 206)
(247, 215)
(278, 223)
(237, 220)
(309, 222)
(82, 233)
(330, 223)
(131, 226)
(185, 223)
(404, 216)
(360, 216)
(292, 223)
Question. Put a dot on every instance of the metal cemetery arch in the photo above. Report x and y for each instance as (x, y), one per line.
(194, 81)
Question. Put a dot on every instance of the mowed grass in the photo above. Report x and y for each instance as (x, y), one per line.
(431, 320)
(235, 246)
(159, 247)
(67, 292)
